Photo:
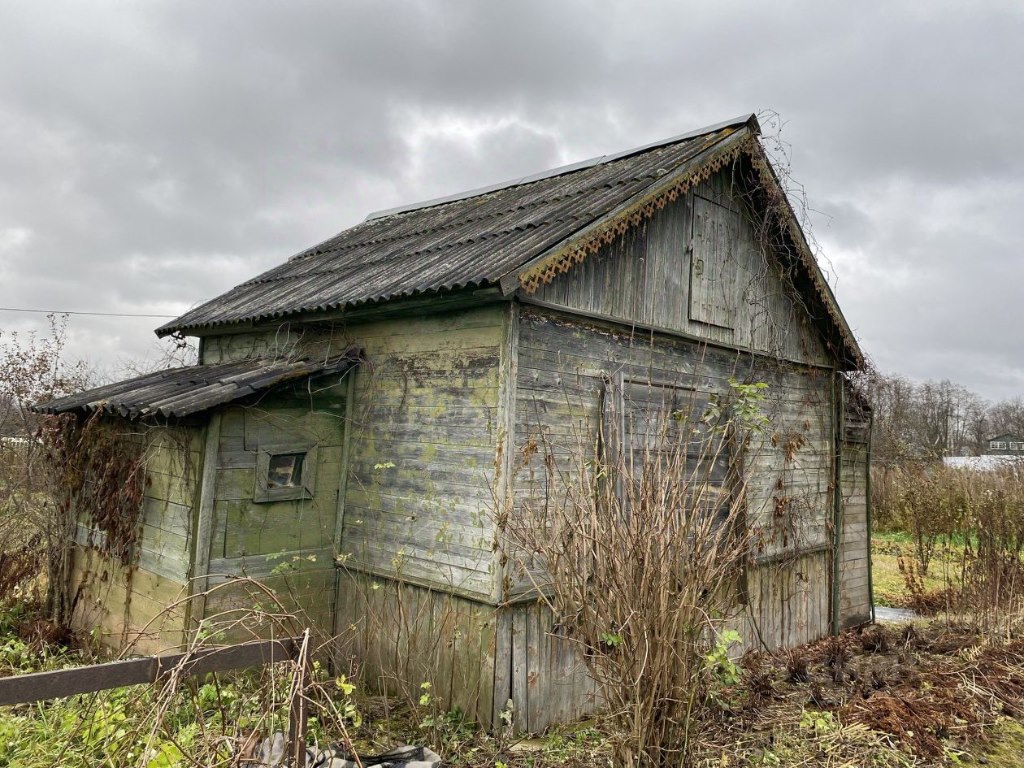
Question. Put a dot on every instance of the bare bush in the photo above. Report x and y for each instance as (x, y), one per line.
(926, 501)
(32, 368)
(979, 516)
(639, 558)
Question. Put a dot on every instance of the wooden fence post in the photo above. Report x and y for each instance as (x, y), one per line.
(298, 713)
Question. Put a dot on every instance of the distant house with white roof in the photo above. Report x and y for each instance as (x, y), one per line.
(1006, 445)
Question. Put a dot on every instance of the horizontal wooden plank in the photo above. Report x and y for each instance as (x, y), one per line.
(236, 457)
(261, 566)
(167, 515)
(473, 586)
(42, 686)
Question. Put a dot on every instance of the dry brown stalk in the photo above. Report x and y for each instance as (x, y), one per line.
(638, 559)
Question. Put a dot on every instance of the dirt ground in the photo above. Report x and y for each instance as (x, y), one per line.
(931, 692)
(915, 694)
(921, 694)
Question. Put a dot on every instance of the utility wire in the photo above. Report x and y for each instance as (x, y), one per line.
(72, 312)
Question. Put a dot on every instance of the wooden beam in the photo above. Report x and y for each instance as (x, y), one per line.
(339, 518)
(204, 521)
(41, 686)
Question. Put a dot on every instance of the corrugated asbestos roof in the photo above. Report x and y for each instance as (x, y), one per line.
(517, 235)
(178, 392)
(473, 239)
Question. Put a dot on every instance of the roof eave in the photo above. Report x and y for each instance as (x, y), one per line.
(121, 400)
(471, 294)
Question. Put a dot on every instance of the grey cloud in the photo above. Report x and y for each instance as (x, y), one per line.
(156, 154)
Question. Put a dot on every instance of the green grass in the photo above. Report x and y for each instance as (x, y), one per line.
(889, 586)
(1006, 745)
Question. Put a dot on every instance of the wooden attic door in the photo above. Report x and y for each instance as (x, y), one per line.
(714, 267)
(275, 511)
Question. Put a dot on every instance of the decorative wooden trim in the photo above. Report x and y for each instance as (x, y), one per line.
(629, 214)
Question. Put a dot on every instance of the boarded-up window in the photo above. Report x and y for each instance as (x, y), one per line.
(714, 266)
(657, 434)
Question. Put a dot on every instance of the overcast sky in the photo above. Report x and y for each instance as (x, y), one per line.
(154, 154)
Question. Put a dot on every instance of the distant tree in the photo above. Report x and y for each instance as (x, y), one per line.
(1006, 416)
(892, 399)
(928, 420)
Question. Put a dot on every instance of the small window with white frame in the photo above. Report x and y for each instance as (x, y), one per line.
(285, 472)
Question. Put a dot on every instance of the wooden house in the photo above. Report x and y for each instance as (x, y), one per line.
(364, 410)
(1006, 445)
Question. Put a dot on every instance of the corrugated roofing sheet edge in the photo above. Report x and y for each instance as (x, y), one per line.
(180, 392)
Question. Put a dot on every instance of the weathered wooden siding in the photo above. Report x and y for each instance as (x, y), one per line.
(401, 635)
(788, 474)
(733, 296)
(421, 486)
(786, 602)
(563, 363)
(288, 545)
(854, 560)
(280, 343)
(127, 606)
(415, 598)
(539, 671)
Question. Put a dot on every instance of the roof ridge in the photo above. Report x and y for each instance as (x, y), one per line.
(750, 119)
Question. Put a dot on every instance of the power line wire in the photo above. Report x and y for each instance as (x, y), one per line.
(73, 312)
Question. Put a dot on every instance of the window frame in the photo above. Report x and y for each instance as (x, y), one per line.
(616, 444)
(304, 489)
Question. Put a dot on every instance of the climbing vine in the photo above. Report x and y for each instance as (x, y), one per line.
(101, 480)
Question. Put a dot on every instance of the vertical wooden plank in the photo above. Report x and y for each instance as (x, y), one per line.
(466, 659)
(483, 630)
(561, 688)
(199, 572)
(503, 663)
(520, 669)
(508, 389)
(444, 627)
(372, 635)
(339, 520)
(536, 681)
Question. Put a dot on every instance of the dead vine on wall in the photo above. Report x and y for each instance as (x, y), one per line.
(103, 479)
